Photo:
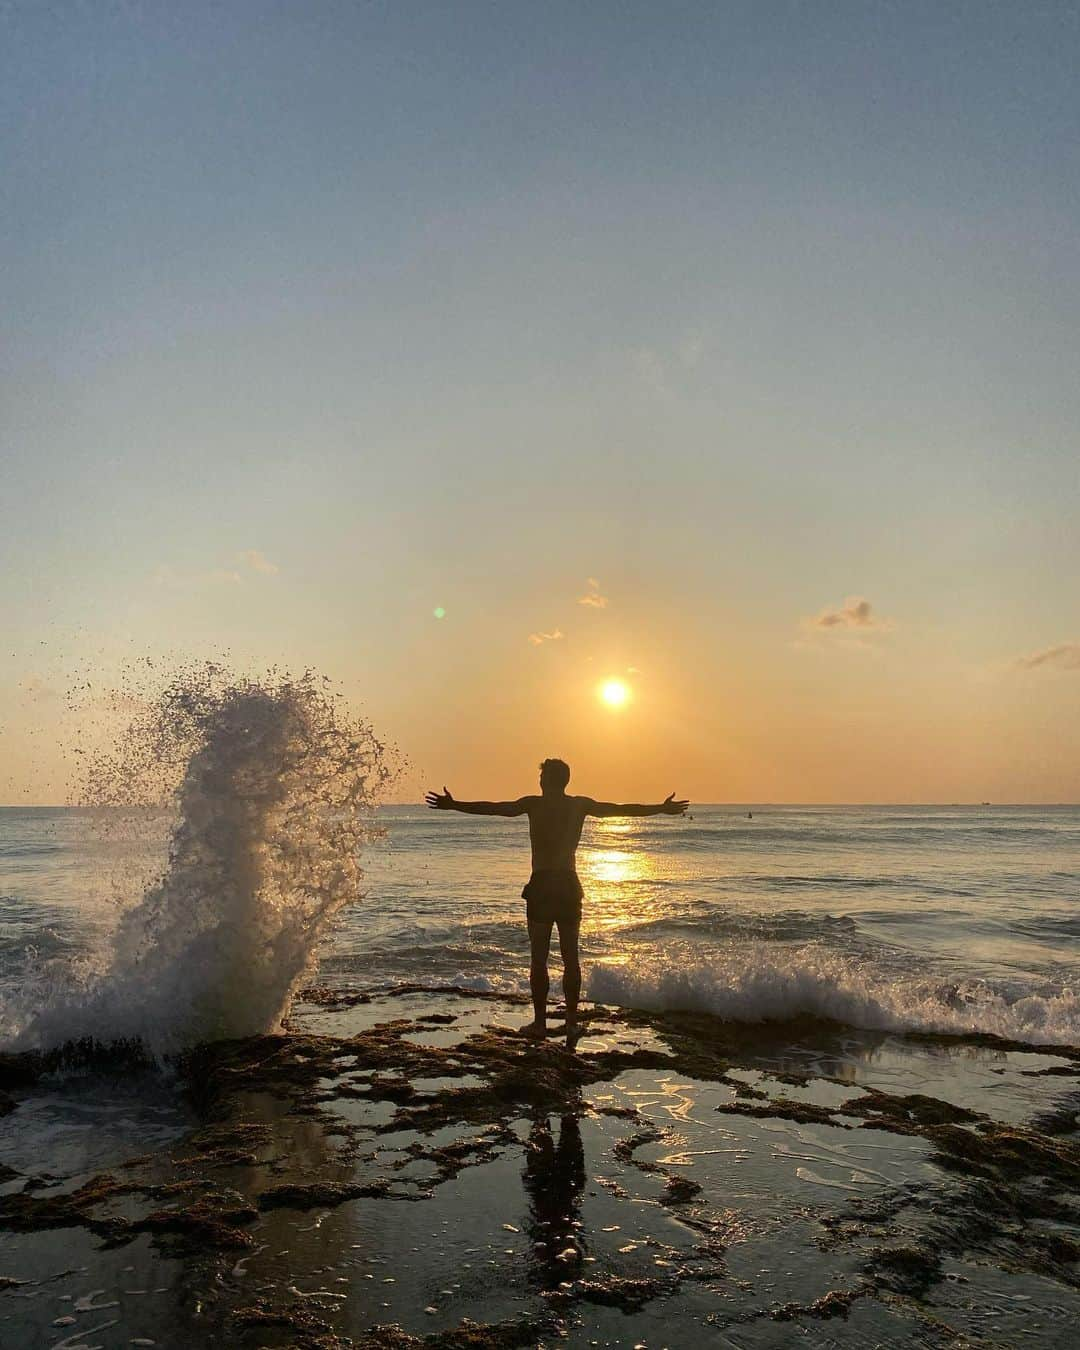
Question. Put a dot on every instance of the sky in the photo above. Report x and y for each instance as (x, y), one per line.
(476, 353)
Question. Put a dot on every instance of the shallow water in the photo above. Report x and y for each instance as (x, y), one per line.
(539, 1191)
(934, 917)
(951, 918)
(889, 922)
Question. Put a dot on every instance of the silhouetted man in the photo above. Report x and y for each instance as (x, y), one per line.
(553, 893)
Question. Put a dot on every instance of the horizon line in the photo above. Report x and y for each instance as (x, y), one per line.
(73, 806)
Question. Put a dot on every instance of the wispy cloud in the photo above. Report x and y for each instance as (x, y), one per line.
(1064, 656)
(538, 639)
(164, 575)
(663, 369)
(692, 348)
(244, 563)
(592, 598)
(258, 562)
(855, 613)
(650, 369)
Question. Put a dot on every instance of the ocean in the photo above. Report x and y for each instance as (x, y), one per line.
(953, 918)
(260, 1083)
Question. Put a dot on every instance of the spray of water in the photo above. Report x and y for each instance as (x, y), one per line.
(268, 785)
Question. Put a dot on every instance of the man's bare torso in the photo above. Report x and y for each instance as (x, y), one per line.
(555, 830)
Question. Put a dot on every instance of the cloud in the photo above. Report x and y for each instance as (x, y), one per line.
(692, 348)
(855, 613)
(538, 639)
(662, 369)
(1065, 656)
(247, 561)
(164, 575)
(258, 562)
(650, 370)
(592, 597)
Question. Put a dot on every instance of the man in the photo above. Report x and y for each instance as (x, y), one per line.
(553, 893)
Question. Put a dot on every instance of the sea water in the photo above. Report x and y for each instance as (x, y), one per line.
(952, 918)
(229, 851)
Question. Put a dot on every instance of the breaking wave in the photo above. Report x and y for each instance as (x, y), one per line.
(758, 984)
(268, 784)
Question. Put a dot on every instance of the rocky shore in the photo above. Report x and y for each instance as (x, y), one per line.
(400, 1170)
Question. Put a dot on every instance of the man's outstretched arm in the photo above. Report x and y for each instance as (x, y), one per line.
(668, 807)
(442, 801)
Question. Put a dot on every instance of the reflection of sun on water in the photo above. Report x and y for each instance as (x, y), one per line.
(617, 883)
(610, 864)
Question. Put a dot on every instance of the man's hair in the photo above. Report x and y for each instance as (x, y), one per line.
(556, 770)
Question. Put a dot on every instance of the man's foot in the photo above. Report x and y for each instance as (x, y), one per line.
(535, 1031)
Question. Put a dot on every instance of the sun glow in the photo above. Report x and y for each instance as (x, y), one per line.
(615, 693)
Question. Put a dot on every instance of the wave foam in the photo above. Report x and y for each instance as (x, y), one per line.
(756, 984)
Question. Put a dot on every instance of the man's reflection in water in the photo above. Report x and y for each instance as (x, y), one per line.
(554, 1178)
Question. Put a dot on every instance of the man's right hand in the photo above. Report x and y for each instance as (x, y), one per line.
(440, 801)
(671, 807)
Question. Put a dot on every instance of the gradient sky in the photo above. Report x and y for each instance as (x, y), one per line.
(319, 316)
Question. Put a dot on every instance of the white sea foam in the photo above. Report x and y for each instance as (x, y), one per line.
(756, 983)
(271, 782)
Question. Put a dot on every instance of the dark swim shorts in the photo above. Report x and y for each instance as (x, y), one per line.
(553, 897)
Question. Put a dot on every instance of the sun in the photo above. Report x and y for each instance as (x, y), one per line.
(615, 693)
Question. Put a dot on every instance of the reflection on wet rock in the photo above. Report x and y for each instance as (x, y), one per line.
(402, 1170)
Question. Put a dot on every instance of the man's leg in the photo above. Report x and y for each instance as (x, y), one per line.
(539, 944)
(571, 980)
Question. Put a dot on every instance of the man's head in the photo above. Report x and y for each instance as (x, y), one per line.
(554, 775)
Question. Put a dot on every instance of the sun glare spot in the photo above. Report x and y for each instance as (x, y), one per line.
(615, 693)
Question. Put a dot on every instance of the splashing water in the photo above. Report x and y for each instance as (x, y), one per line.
(269, 784)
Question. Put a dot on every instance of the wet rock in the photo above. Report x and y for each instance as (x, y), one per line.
(1063, 1119)
(239, 1134)
(836, 1303)
(616, 1292)
(680, 1190)
(306, 1329)
(1006, 1151)
(325, 997)
(211, 1221)
(124, 1056)
(319, 1194)
(904, 1270)
(467, 1335)
(989, 1041)
(26, 1213)
(803, 1113)
(911, 1110)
